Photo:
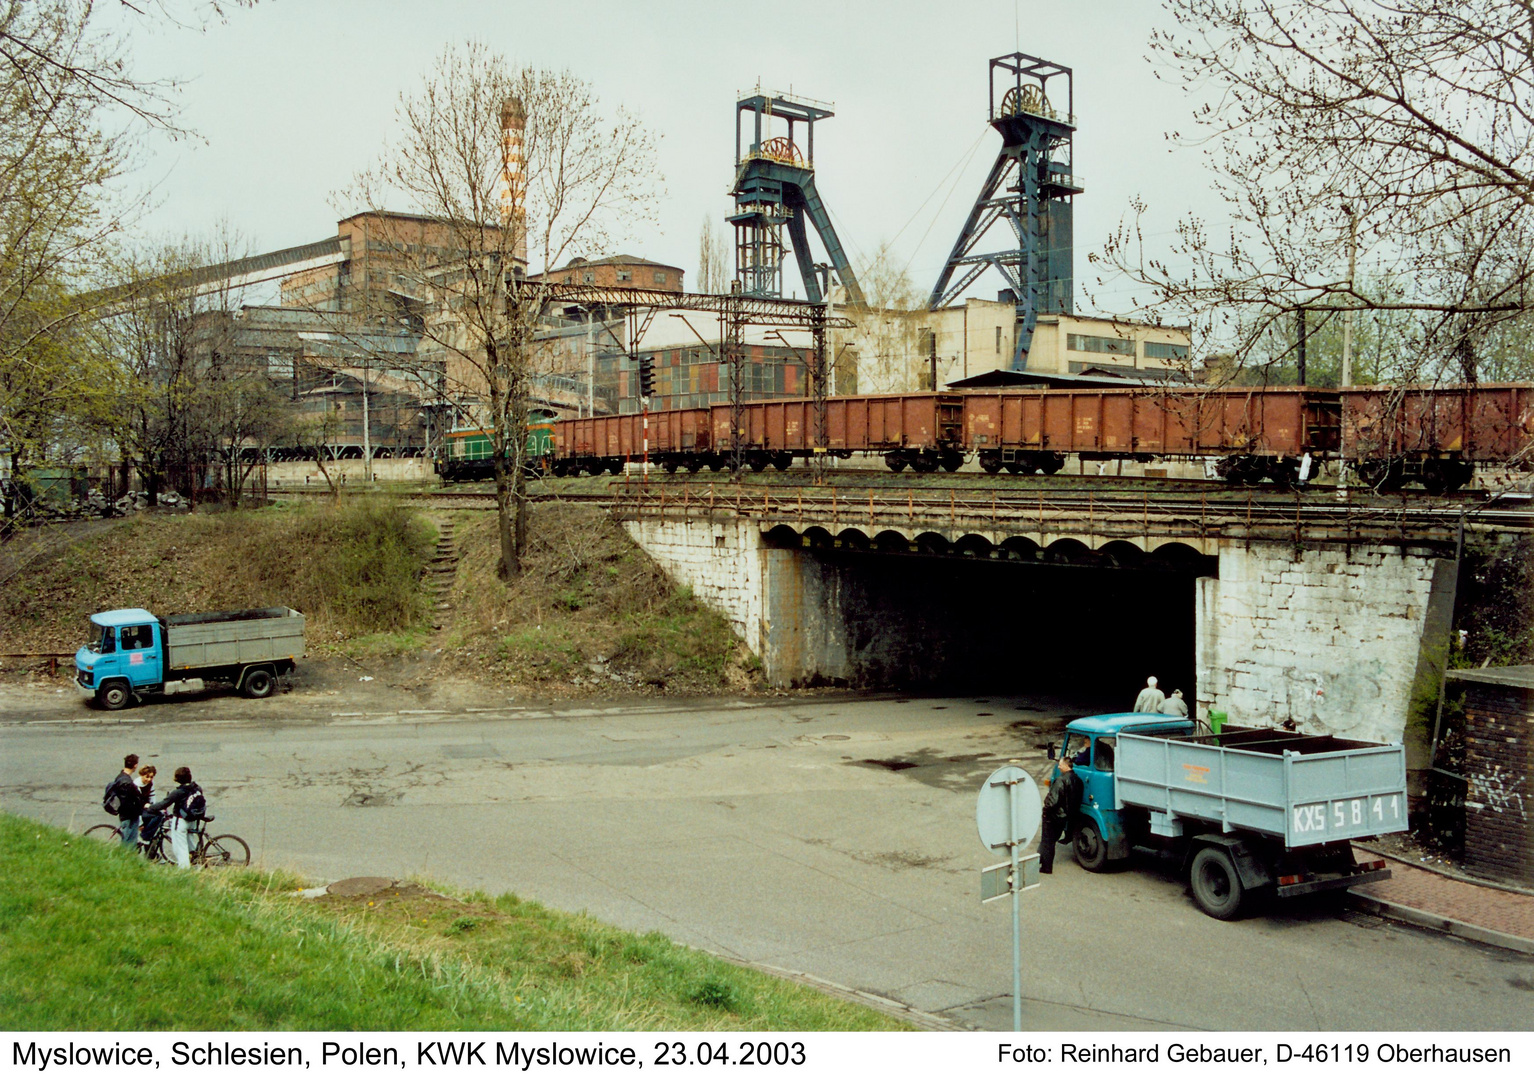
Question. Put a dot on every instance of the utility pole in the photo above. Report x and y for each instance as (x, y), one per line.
(1300, 333)
(591, 366)
(1348, 316)
(367, 433)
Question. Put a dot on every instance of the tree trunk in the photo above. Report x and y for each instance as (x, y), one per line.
(511, 556)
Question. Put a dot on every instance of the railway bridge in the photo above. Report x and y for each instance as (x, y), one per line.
(1327, 611)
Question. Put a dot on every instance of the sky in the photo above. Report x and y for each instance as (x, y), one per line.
(291, 98)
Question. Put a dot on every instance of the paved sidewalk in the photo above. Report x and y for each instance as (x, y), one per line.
(1477, 912)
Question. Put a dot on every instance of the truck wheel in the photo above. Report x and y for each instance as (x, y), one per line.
(115, 695)
(258, 683)
(1091, 852)
(1216, 887)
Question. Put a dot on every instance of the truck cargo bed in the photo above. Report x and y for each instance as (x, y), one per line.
(1306, 789)
(233, 638)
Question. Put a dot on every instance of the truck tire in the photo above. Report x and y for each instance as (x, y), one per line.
(114, 695)
(1091, 852)
(258, 683)
(1217, 888)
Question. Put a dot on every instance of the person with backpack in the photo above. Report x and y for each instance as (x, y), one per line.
(149, 824)
(188, 806)
(124, 801)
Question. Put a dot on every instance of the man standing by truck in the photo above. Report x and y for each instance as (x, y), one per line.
(1059, 808)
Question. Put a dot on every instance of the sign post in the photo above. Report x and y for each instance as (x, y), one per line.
(1008, 814)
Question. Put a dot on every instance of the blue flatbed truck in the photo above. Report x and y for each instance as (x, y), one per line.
(1252, 812)
(132, 652)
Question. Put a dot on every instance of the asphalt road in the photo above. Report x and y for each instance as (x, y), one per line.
(833, 836)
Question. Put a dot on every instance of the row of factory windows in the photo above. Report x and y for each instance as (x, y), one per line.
(1154, 350)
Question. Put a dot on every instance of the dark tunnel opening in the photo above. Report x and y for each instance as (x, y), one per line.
(1091, 628)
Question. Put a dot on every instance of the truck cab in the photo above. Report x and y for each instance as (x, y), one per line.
(1091, 743)
(125, 655)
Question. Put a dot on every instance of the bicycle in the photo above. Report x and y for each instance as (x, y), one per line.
(211, 851)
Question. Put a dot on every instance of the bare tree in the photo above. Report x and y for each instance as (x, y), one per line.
(1399, 129)
(505, 166)
(713, 259)
(886, 340)
(71, 108)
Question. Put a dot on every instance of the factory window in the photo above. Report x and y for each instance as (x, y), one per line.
(998, 341)
(625, 275)
(1162, 350)
(588, 278)
(1087, 343)
(660, 277)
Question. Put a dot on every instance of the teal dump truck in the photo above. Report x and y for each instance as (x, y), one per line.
(1252, 813)
(132, 652)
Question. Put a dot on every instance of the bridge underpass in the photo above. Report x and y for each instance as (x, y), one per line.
(1306, 609)
(969, 616)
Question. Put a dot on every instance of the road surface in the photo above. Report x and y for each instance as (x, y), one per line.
(828, 835)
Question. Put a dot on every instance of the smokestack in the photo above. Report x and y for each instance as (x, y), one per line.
(513, 186)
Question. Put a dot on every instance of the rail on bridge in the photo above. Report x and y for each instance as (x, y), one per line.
(1204, 521)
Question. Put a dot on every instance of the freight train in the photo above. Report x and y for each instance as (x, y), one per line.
(1389, 436)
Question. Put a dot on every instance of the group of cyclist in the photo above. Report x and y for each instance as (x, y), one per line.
(130, 795)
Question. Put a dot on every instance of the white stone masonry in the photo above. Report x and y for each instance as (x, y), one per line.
(1330, 641)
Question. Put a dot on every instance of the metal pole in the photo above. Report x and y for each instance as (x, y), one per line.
(1443, 674)
(367, 435)
(1017, 914)
(1348, 316)
(1301, 344)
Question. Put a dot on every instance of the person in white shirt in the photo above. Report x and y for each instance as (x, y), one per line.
(1175, 705)
(1150, 698)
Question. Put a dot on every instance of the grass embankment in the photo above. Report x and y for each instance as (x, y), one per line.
(591, 612)
(92, 938)
(353, 569)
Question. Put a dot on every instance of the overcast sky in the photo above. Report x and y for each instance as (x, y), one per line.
(291, 98)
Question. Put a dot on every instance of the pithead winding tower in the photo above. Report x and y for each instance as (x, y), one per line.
(1031, 186)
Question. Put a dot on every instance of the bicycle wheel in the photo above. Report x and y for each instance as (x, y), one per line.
(105, 832)
(226, 850)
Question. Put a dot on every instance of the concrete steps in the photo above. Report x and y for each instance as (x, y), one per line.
(441, 572)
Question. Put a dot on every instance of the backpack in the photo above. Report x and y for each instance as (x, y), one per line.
(112, 800)
(196, 807)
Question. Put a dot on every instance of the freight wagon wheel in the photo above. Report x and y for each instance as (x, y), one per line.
(694, 464)
(114, 695)
(990, 461)
(783, 462)
(1091, 852)
(952, 461)
(895, 462)
(670, 465)
(1216, 887)
(1051, 464)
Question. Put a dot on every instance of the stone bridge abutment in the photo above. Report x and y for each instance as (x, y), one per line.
(1333, 636)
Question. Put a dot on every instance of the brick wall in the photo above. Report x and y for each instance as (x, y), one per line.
(1499, 765)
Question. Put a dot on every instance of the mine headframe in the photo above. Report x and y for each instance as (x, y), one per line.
(775, 189)
(1030, 186)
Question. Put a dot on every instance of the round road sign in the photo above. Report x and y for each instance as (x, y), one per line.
(1008, 809)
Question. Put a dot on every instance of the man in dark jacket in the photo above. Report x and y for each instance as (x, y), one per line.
(181, 816)
(1059, 808)
(130, 801)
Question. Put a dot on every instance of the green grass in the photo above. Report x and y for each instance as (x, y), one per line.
(92, 938)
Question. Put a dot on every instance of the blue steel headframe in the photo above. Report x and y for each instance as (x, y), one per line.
(1031, 185)
(775, 187)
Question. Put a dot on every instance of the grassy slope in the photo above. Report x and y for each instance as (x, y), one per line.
(589, 598)
(352, 571)
(92, 938)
